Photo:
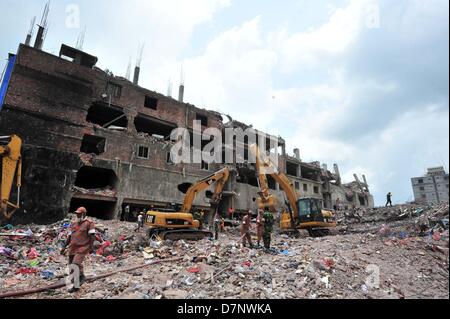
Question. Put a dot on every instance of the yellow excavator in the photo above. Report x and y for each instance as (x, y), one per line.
(171, 225)
(11, 169)
(302, 213)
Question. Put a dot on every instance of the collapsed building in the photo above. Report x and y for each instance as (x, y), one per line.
(101, 141)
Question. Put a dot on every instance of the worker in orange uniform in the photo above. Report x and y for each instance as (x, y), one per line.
(245, 229)
(260, 226)
(79, 244)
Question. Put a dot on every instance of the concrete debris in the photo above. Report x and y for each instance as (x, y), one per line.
(108, 191)
(389, 254)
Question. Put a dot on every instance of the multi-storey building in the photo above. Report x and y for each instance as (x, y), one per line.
(431, 188)
(101, 141)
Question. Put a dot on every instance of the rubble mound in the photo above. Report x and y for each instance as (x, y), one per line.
(394, 253)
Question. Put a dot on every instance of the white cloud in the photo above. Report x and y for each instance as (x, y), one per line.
(235, 74)
(332, 38)
(165, 27)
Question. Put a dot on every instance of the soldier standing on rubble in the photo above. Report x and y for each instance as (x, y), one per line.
(216, 226)
(245, 229)
(268, 228)
(389, 199)
(80, 243)
(260, 226)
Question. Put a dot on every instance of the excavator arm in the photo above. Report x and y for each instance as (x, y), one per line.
(219, 178)
(182, 225)
(266, 200)
(264, 167)
(11, 170)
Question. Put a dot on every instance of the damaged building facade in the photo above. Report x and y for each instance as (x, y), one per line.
(97, 140)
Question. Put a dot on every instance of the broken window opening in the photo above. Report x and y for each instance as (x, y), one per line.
(305, 187)
(151, 103)
(143, 152)
(362, 200)
(106, 116)
(105, 210)
(309, 173)
(316, 189)
(153, 127)
(93, 145)
(77, 56)
(205, 166)
(130, 212)
(297, 185)
(202, 118)
(247, 176)
(292, 169)
(96, 178)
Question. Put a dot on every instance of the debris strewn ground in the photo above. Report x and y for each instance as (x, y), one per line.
(399, 252)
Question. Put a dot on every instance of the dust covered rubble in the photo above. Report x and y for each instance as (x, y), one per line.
(386, 255)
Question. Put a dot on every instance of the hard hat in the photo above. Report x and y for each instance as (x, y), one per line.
(81, 210)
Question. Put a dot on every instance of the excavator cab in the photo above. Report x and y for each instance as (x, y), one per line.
(308, 210)
(313, 218)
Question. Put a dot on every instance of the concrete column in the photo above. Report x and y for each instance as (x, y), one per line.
(297, 154)
(137, 71)
(39, 38)
(181, 94)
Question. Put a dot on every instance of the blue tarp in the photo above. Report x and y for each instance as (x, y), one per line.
(6, 78)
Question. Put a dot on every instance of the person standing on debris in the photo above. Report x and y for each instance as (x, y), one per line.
(245, 229)
(202, 218)
(268, 228)
(222, 224)
(260, 226)
(231, 213)
(80, 243)
(216, 226)
(127, 213)
(389, 199)
(140, 221)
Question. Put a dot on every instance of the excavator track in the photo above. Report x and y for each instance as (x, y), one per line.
(319, 232)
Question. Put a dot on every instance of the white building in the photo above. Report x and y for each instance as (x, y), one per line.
(432, 188)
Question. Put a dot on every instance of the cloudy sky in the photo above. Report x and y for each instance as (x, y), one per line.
(363, 83)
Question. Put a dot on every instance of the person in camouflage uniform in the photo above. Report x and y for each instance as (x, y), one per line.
(268, 228)
(217, 222)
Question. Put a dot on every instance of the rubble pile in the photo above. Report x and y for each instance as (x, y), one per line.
(394, 261)
(108, 191)
(415, 219)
